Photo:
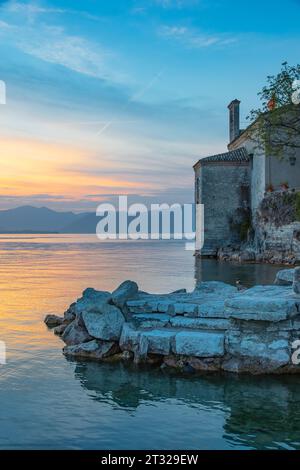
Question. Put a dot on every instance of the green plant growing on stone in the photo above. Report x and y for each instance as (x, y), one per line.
(240, 223)
(276, 124)
(280, 208)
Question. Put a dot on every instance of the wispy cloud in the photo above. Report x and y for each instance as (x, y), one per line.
(192, 38)
(52, 43)
(34, 9)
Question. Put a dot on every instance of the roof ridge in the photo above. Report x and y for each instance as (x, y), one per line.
(237, 155)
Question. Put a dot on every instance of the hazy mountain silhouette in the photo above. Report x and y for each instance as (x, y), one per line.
(29, 219)
(32, 219)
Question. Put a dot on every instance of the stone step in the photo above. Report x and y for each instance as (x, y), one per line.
(165, 341)
(208, 309)
(157, 320)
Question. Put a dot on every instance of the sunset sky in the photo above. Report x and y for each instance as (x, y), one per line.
(123, 97)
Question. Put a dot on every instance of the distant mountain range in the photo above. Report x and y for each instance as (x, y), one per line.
(28, 219)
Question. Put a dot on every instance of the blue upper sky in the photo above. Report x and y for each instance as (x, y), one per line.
(122, 97)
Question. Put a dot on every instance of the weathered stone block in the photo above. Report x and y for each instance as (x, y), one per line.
(76, 332)
(159, 341)
(126, 291)
(199, 344)
(129, 337)
(93, 349)
(106, 324)
(150, 320)
(90, 300)
(273, 347)
(212, 309)
(200, 323)
(262, 303)
(284, 277)
(185, 308)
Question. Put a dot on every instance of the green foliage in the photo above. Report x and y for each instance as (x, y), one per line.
(278, 130)
(281, 208)
(240, 223)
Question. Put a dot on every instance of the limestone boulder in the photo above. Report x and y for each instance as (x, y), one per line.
(199, 344)
(60, 329)
(126, 291)
(91, 300)
(105, 323)
(94, 349)
(159, 341)
(284, 277)
(272, 348)
(76, 332)
(53, 320)
(70, 313)
(262, 303)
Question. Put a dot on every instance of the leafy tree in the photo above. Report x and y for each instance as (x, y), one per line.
(276, 124)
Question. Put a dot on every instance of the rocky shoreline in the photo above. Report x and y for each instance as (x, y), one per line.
(248, 254)
(215, 328)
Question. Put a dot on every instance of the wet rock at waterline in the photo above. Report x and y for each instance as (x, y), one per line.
(53, 320)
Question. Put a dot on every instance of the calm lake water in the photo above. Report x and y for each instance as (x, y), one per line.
(49, 402)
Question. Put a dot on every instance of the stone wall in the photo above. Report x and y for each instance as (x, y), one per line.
(224, 191)
(277, 230)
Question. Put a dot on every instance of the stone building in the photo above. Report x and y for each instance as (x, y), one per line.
(233, 184)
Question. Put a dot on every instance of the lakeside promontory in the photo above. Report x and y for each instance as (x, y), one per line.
(217, 327)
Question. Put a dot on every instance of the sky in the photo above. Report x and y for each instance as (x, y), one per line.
(107, 98)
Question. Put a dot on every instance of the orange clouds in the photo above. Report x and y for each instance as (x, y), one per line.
(32, 167)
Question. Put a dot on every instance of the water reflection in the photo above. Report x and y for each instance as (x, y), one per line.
(248, 274)
(259, 412)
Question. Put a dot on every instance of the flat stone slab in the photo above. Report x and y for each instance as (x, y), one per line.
(199, 344)
(200, 323)
(284, 277)
(150, 320)
(263, 303)
(159, 341)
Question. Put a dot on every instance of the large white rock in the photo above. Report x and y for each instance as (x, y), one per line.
(105, 324)
(199, 344)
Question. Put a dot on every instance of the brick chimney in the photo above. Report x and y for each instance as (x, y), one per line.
(234, 120)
